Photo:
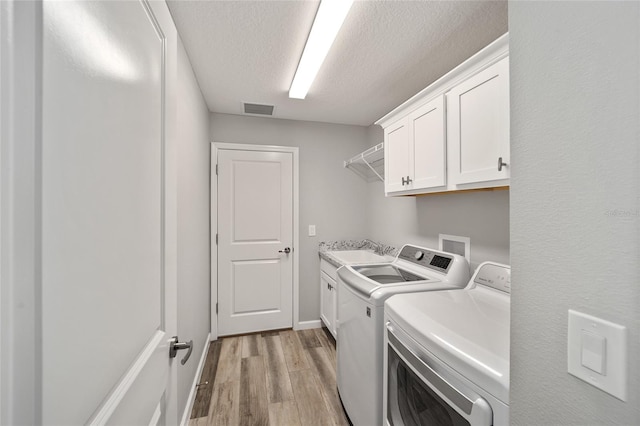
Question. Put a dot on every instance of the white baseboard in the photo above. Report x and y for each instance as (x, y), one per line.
(192, 395)
(304, 325)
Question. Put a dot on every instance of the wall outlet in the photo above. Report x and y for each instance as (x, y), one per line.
(312, 230)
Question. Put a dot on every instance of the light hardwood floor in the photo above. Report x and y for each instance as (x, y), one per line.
(273, 378)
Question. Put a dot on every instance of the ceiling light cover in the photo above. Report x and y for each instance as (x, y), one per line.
(331, 14)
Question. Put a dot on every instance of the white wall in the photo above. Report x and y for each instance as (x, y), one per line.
(331, 197)
(575, 99)
(481, 216)
(193, 221)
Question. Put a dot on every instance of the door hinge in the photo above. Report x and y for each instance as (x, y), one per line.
(216, 239)
(216, 308)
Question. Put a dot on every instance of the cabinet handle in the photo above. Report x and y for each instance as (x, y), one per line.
(403, 181)
(501, 164)
(409, 180)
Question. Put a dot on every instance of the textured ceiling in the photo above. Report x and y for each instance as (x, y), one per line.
(386, 51)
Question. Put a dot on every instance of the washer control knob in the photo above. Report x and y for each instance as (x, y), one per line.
(419, 255)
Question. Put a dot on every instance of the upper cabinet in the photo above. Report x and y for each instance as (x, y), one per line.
(453, 135)
(415, 149)
(396, 156)
(479, 126)
(427, 130)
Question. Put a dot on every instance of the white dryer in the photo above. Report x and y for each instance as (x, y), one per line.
(446, 354)
(362, 291)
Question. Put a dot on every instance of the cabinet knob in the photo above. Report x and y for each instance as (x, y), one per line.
(501, 164)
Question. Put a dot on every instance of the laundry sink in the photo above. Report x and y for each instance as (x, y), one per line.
(357, 256)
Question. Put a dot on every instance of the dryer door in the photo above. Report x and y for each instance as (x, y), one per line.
(419, 393)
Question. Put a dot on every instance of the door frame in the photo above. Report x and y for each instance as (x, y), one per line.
(216, 146)
(20, 190)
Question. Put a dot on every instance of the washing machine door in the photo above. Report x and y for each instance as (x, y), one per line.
(419, 393)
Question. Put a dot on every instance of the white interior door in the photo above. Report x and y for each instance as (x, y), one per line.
(108, 243)
(255, 226)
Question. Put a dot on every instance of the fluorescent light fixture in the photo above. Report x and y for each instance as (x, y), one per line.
(329, 19)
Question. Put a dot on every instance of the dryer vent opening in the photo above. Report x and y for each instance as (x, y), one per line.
(258, 109)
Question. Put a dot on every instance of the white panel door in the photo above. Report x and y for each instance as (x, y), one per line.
(255, 226)
(108, 248)
(427, 126)
(397, 149)
(479, 125)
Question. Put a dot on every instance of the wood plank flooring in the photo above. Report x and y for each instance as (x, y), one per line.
(205, 388)
(267, 379)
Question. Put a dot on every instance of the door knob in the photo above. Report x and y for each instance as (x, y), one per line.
(286, 250)
(176, 346)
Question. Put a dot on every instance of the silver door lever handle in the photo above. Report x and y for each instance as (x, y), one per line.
(286, 250)
(176, 346)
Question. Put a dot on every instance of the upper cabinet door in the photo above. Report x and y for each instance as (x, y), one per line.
(396, 156)
(478, 111)
(427, 126)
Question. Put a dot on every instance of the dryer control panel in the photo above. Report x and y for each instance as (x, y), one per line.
(494, 275)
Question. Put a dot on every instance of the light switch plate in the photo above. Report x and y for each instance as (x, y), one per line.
(596, 345)
(312, 230)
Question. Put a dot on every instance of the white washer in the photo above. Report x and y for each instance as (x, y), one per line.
(362, 291)
(447, 354)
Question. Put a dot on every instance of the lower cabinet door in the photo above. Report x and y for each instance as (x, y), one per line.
(328, 293)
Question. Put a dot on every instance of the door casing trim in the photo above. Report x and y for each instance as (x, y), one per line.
(216, 146)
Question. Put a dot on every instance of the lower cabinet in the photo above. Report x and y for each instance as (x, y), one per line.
(328, 295)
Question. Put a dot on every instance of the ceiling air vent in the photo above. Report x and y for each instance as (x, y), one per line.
(258, 109)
